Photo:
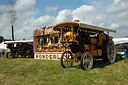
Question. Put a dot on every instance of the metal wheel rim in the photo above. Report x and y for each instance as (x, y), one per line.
(111, 51)
(10, 55)
(66, 61)
(87, 61)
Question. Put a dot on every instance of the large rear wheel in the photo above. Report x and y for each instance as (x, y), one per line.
(28, 52)
(86, 61)
(66, 59)
(108, 51)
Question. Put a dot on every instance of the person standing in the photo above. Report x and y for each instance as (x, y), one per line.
(0, 53)
(3, 53)
(125, 50)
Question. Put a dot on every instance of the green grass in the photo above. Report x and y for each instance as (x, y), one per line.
(26, 71)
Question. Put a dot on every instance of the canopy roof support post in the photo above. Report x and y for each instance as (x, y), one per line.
(72, 32)
(61, 34)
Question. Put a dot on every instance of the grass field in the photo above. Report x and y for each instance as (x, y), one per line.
(26, 71)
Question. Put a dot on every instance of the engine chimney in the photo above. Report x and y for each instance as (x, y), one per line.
(12, 33)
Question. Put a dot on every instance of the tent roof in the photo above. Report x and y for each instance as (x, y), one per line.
(120, 40)
(3, 46)
(21, 41)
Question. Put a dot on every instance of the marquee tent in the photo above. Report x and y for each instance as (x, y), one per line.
(3, 46)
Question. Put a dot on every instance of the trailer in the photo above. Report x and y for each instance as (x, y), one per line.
(46, 44)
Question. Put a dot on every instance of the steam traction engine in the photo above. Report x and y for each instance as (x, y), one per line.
(85, 43)
(20, 48)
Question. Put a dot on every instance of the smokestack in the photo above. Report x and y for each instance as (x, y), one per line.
(12, 33)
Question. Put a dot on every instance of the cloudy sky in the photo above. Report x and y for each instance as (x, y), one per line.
(28, 15)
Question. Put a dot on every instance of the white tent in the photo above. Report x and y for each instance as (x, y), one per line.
(120, 40)
(119, 44)
(3, 46)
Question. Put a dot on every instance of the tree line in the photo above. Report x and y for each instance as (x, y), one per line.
(2, 39)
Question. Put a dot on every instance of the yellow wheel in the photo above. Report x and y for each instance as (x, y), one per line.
(10, 55)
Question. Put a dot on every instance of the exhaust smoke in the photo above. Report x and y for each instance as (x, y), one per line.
(13, 15)
(12, 12)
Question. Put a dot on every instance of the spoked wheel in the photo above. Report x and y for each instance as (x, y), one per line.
(16, 55)
(9, 55)
(28, 52)
(86, 61)
(109, 51)
(66, 59)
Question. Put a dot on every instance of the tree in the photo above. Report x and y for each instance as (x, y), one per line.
(7, 39)
(1, 39)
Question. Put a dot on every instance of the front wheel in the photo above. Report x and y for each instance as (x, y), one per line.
(86, 61)
(66, 59)
(10, 55)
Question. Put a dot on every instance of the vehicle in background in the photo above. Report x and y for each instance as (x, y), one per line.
(22, 48)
